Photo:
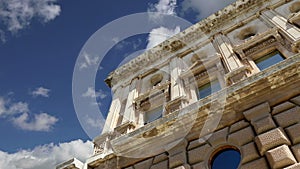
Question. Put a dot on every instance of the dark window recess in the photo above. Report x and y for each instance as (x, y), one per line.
(269, 60)
(228, 158)
(153, 114)
(208, 89)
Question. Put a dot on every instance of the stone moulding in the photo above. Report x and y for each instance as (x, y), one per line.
(263, 82)
(190, 35)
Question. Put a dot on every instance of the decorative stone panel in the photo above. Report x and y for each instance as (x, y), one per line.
(280, 157)
(295, 166)
(270, 140)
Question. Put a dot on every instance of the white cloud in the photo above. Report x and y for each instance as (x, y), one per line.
(91, 93)
(2, 36)
(163, 6)
(40, 122)
(88, 61)
(18, 114)
(204, 8)
(41, 91)
(8, 109)
(160, 34)
(18, 14)
(46, 156)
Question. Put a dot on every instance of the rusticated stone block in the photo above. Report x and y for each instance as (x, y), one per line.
(270, 140)
(160, 165)
(186, 166)
(144, 164)
(249, 153)
(218, 137)
(177, 160)
(201, 165)
(257, 112)
(282, 107)
(280, 157)
(238, 126)
(296, 100)
(198, 154)
(241, 137)
(296, 151)
(129, 167)
(195, 143)
(294, 133)
(257, 164)
(160, 158)
(288, 117)
(295, 166)
(263, 125)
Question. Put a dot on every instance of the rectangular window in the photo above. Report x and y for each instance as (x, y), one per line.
(153, 114)
(208, 88)
(269, 60)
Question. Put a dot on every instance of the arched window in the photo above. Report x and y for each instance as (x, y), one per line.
(228, 158)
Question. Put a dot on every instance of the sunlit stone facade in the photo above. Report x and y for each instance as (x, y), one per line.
(231, 81)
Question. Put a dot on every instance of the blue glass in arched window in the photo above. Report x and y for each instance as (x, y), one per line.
(227, 158)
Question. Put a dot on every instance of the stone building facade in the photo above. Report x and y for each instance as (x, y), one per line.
(231, 81)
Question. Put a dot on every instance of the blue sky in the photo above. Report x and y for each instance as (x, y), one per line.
(40, 41)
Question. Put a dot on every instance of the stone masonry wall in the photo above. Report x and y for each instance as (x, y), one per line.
(267, 137)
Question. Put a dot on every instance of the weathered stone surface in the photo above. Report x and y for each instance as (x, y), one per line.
(296, 100)
(280, 157)
(238, 126)
(198, 154)
(186, 166)
(177, 160)
(195, 143)
(263, 125)
(200, 165)
(282, 107)
(249, 153)
(219, 137)
(257, 112)
(295, 166)
(296, 151)
(288, 117)
(129, 167)
(160, 158)
(160, 165)
(241, 137)
(144, 164)
(257, 164)
(294, 133)
(271, 139)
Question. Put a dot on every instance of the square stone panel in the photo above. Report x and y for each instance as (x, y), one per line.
(280, 157)
(282, 107)
(271, 139)
(295, 166)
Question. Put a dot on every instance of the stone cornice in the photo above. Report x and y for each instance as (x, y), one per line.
(204, 28)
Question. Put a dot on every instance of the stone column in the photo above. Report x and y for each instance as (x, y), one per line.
(176, 66)
(291, 32)
(114, 111)
(231, 61)
(129, 113)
